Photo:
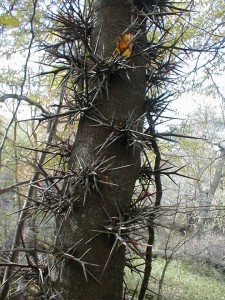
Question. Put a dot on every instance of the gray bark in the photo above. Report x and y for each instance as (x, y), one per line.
(80, 229)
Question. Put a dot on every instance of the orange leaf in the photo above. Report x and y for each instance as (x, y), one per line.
(124, 44)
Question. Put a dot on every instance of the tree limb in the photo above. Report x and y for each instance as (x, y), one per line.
(23, 98)
(9, 188)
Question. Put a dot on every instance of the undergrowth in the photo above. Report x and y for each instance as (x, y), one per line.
(183, 281)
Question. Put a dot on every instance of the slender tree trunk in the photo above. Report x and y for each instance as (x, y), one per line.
(22, 220)
(80, 233)
(218, 172)
(208, 194)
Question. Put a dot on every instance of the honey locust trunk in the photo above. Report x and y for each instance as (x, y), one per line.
(91, 231)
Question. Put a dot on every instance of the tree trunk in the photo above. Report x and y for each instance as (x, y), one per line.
(23, 217)
(86, 232)
(208, 194)
(218, 172)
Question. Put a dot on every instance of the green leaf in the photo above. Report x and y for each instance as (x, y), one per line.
(8, 20)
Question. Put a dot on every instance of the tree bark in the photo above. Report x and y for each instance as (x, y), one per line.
(81, 230)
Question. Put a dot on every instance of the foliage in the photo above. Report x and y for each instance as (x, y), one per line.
(9, 21)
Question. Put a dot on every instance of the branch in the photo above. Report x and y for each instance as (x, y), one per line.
(14, 265)
(23, 98)
(9, 188)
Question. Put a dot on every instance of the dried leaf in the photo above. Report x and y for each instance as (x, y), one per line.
(124, 44)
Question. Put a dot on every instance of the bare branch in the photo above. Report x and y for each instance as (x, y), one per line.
(23, 98)
(9, 188)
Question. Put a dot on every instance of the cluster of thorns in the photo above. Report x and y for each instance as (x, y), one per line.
(76, 63)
